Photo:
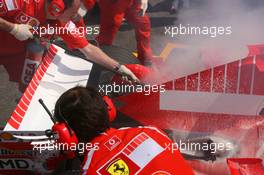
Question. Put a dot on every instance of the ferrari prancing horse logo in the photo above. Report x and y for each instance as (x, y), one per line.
(118, 167)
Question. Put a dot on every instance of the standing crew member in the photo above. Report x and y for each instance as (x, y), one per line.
(112, 13)
(21, 19)
(142, 150)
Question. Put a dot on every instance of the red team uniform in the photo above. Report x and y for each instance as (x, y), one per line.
(112, 13)
(129, 151)
(111, 17)
(12, 51)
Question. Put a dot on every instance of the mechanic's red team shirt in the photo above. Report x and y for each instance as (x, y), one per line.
(129, 151)
(30, 12)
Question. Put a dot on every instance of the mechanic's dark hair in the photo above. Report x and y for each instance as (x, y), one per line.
(85, 112)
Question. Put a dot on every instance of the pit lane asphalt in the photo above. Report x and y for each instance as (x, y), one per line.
(160, 17)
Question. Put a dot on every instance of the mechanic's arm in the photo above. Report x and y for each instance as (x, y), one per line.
(96, 55)
(19, 31)
(78, 41)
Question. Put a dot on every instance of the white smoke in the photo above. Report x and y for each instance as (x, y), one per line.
(204, 51)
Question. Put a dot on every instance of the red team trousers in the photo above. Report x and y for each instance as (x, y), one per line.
(112, 13)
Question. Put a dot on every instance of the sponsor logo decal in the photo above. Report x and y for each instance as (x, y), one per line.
(16, 164)
(29, 69)
(112, 143)
(118, 167)
(23, 18)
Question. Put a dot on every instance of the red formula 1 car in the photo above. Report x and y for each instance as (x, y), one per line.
(213, 115)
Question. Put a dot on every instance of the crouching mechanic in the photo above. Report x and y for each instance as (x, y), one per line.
(123, 151)
(21, 20)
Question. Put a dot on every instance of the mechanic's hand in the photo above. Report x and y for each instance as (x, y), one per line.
(144, 7)
(22, 31)
(82, 10)
(127, 74)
